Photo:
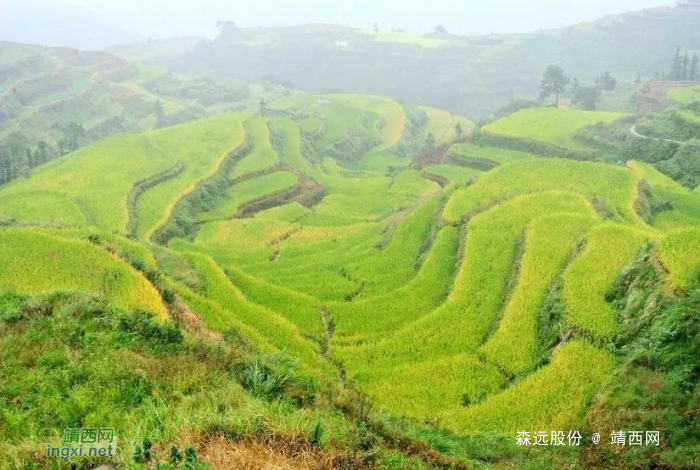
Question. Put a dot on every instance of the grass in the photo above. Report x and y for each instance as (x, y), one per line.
(685, 95)
(615, 186)
(434, 302)
(42, 207)
(391, 116)
(35, 261)
(686, 203)
(555, 397)
(453, 173)
(675, 250)
(99, 178)
(262, 157)
(249, 191)
(384, 313)
(463, 321)
(273, 327)
(609, 249)
(393, 265)
(471, 153)
(550, 125)
(549, 242)
(443, 125)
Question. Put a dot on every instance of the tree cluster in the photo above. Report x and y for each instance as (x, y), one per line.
(684, 67)
(555, 82)
(17, 158)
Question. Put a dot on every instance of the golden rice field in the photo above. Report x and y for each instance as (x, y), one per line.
(34, 261)
(549, 125)
(427, 283)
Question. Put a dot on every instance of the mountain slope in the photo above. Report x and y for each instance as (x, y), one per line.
(472, 76)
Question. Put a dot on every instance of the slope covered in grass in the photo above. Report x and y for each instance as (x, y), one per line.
(100, 178)
(550, 125)
(35, 261)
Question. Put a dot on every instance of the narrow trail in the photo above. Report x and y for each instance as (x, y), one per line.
(634, 132)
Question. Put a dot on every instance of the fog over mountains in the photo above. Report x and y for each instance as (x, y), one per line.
(94, 25)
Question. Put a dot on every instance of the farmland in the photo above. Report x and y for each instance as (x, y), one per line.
(471, 296)
(549, 125)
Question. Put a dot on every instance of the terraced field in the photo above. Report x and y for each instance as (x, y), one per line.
(549, 125)
(307, 232)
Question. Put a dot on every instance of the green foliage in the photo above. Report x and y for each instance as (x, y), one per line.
(72, 138)
(141, 329)
(586, 98)
(656, 387)
(554, 82)
(261, 382)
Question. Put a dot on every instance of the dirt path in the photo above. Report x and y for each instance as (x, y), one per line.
(635, 133)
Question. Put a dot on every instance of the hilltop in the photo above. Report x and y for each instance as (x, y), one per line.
(366, 286)
(471, 76)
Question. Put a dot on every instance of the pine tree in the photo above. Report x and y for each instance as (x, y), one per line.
(676, 66)
(694, 73)
(685, 67)
(638, 81)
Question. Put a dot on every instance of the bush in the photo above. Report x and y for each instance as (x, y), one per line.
(141, 329)
(261, 381)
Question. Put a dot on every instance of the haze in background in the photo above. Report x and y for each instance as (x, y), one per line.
(96, 24)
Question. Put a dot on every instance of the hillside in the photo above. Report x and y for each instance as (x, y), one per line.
(43, 90)
(472, 76)
(379, 291)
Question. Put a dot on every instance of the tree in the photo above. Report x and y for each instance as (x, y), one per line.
(638, 80)
(42, 154)
(694, 73)
(554, 82)
(440, 29)
(676, 66)
(72, 138)
(263, 107)
(606, 82)
(685, 67)
(586, 98)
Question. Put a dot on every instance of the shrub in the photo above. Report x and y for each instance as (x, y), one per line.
(261, 381)
(141, 329)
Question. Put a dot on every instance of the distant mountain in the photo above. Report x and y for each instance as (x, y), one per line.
(59, 24)
(471, 76)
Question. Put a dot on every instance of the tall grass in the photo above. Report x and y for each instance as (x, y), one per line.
(679, 254)
(588, 279)
(479, 291)
(33, 261)
(549, 242)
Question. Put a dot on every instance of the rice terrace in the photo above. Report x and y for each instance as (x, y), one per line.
(303, 280)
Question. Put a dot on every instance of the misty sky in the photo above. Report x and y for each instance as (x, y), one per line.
(98, 23)
(159, 18)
